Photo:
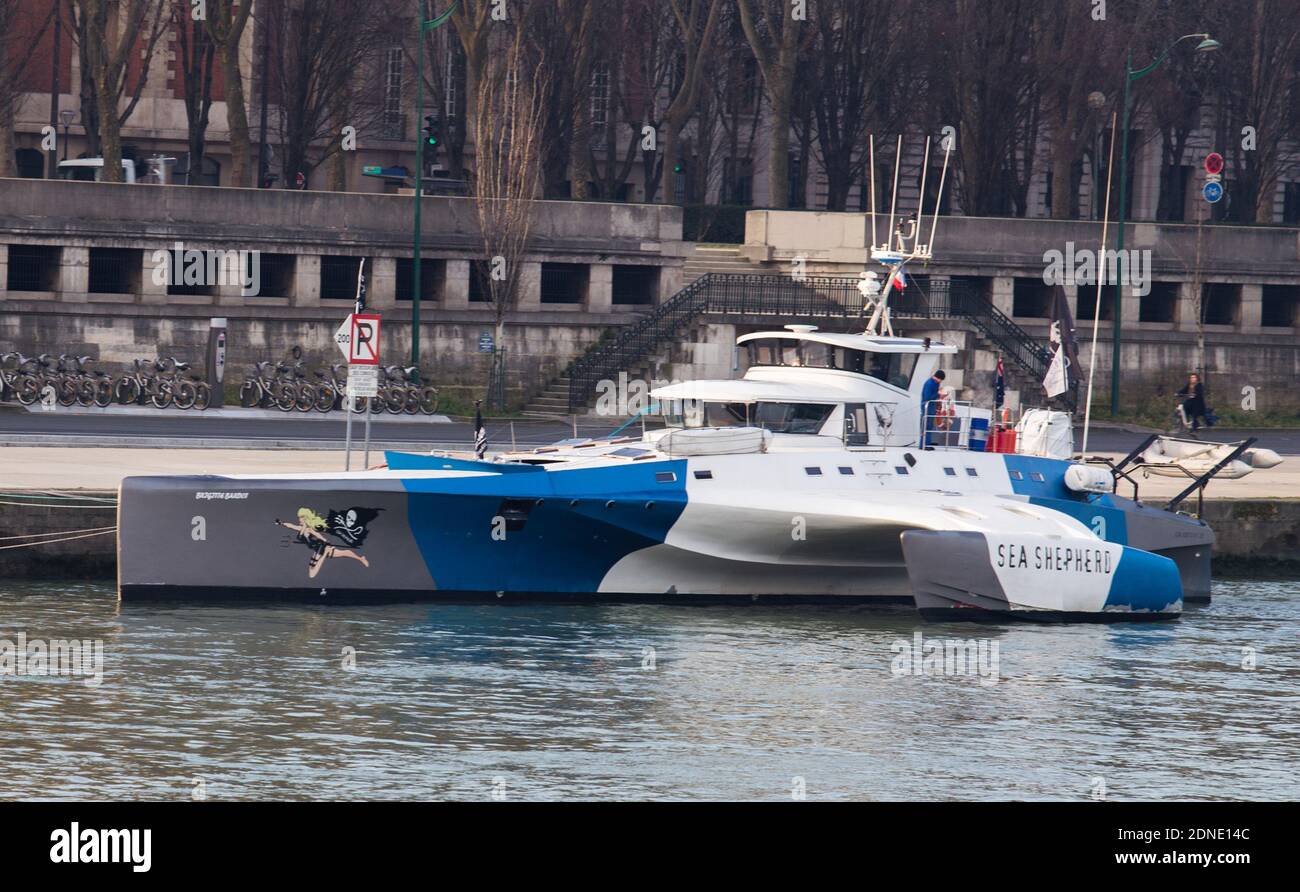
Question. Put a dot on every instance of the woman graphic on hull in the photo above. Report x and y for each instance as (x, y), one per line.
(347, 526)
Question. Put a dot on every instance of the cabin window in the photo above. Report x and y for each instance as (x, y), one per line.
(1036, 476)
(847, 472)
(703, 475)
(971, 472)
(813, 472)
(951, 472)
(792, 418)
(665, 477)
(727, 414)
(901, 470)
(1016, 475)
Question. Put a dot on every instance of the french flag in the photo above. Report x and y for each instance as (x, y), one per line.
(899, 282)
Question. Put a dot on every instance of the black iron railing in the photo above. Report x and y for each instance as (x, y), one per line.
(809, 298)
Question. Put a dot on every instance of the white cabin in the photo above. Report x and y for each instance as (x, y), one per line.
(818, 390)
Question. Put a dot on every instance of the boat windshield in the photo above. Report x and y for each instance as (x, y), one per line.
(892, 368)
(779, 418)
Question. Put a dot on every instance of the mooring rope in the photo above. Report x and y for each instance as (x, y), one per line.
(57, 533)
(53, 541)
(112, 507)
(55, 495)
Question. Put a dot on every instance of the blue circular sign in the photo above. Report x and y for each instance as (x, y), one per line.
(1212, 192)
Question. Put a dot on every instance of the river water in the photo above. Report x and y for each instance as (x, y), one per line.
(633, 702)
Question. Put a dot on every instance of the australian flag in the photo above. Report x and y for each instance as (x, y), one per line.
(999, 385)
(480, 433)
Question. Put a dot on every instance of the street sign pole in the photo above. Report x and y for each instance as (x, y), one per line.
(348, 400)
(358, 340)
(366, 466)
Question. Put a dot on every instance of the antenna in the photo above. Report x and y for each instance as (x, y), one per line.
(920, 202)
(893, 201)
(938, 203)
(1096, 310)
(871, 143)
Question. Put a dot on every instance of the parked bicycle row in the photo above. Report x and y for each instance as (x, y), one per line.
(68, 380)
(290, 387)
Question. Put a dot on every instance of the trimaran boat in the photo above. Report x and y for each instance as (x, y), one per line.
(812, 478)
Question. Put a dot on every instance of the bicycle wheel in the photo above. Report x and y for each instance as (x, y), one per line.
(306, 398)
(67, 388)
(28, 390)
(185, 394)
(203, 396)
(103, 392)
(160, 396)
(249, 394)
(86, 393)
(127, 391)
(395, 400)
(378, 403)
(285, 396)
(429, 400)
(325, 397)
(412, 404)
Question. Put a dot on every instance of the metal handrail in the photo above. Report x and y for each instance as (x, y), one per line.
(803, 297)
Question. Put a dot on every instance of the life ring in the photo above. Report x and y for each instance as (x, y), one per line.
(944, 413)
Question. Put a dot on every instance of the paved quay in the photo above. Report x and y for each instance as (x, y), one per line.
(90, 467)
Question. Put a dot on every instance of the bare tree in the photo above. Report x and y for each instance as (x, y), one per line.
(509, 102)
(16, 48)
(108, 35)
(1257, 89)
(326, 48)
(864, 60)
(225, 29)
(196, 55)
(779, 40)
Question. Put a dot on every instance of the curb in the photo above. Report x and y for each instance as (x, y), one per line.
(227, 414)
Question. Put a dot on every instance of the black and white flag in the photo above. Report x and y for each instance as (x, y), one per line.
(480, 433)
(1064, 344)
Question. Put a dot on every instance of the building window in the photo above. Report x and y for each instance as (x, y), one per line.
(1159, 304)
(274, 276)
(393, 125)
(338, 277)
(635, 284)
(1220, 303)
(114, 270)
(33, 268)
(1032, 298)
(1291, 203)
(564, 283)
(1088, 302)
(1277, 310)
(738, 178)
(796, 182)
(431, 276)
(600, 94)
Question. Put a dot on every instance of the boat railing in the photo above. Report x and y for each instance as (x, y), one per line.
(946, 424)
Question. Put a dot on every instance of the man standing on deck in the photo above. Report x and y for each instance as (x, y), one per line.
(930, 405)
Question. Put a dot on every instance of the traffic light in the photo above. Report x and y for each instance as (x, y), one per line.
(678, 167)
(432, 138)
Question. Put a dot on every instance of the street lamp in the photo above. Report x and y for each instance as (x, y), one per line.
(1206, 45)
(425, 25)
(67, 116)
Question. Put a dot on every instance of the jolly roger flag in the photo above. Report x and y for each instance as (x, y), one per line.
(349, 526)
(1064, 344)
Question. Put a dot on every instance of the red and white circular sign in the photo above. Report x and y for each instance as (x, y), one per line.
(1214, 163)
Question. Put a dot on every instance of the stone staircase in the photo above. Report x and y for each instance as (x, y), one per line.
(720, 259)
(554, 400)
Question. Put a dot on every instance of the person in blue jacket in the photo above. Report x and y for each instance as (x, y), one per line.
(929, 400)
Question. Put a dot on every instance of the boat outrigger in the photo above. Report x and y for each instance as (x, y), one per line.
(816, 477)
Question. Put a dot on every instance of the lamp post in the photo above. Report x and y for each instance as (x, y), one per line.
(66, 116)
(1206, 45)
(424, 25)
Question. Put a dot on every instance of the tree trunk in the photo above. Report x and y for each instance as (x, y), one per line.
(8, 163)
(241, 151)
(110, 136)
(778, 150)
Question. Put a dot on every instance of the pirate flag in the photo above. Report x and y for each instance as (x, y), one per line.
(349, 526)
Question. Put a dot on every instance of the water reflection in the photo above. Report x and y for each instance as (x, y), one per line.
(555, 702)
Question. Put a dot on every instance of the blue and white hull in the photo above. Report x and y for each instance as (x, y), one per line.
(809, 526)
